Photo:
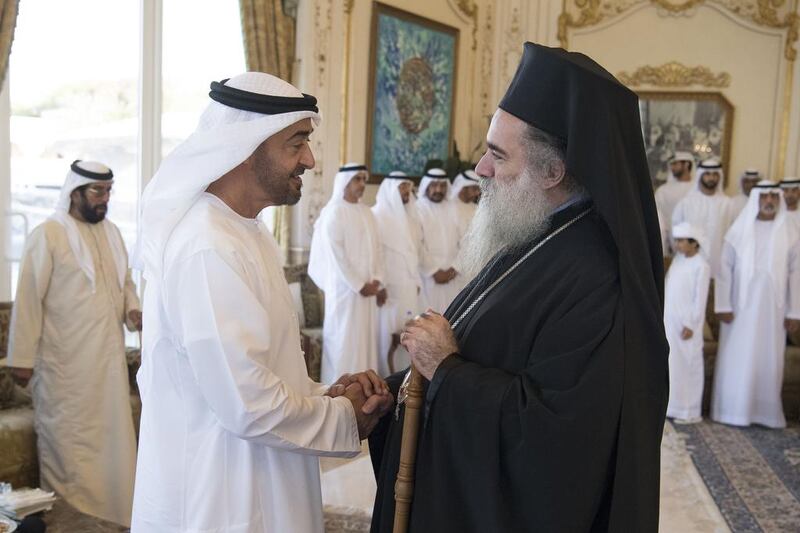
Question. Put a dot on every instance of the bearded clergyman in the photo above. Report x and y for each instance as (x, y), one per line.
(546, 377)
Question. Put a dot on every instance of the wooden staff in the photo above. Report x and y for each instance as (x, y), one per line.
(404, 486)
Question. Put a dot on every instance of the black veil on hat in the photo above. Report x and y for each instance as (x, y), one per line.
(570, 96)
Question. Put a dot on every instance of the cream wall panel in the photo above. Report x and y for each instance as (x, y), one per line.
(793, 145)
(750, 54)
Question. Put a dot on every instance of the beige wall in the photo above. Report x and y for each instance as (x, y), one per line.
(631, 34)
(711, 37)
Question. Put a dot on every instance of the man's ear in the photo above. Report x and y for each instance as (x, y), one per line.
(556, 170)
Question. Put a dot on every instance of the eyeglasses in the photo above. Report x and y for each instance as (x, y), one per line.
(98, 191)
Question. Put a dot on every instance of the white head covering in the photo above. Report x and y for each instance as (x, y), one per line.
(395, 219)
(710, 165)
(789, 182)
(678, 156)
(681, 156)
(749, 173)
(91, 172)
(468, 178)
(684, 230)
(225, 136)
(431, 176)
(84, 173)
(741, 236)
(321, 262)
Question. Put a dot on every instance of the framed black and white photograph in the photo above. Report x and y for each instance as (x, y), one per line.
(696, 122)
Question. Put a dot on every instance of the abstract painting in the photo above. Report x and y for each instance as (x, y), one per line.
(412, 91)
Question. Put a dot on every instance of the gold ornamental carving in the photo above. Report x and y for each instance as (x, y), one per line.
(680, 7)
(487, 53)
(776, 14)
(469, 9)
(674, 74)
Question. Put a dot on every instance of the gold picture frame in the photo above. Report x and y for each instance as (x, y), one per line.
(696, 122)
(412, 91)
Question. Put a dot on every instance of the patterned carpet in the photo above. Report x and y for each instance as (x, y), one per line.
(752, 473)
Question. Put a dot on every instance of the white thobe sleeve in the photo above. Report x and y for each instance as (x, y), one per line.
(723, 283)
(662, 223)
(793, 286)
(678, 214)
(226, 334)
(131, 300)
(378, 264)
(317, 389)
(27, 315)
(426, 266)
(343, 261)
(730, 215)
(700, 299)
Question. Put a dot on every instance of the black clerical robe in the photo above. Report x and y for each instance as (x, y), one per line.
(521, 429)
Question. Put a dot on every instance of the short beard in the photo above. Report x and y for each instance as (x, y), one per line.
(709, 186)
(90, 214)
(509, 216)
(276, 187)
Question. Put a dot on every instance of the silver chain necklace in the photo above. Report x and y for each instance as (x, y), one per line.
(402, 394)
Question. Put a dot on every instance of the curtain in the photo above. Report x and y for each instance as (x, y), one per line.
(269, 39)
(8, 21)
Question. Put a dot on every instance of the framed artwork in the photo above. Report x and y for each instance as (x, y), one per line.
(700, 123)
(412, 81)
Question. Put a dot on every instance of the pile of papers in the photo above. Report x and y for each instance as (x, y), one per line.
(19, 503)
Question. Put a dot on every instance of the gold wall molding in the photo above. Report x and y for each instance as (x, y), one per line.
(675, 74)
(323, 26)
(512, 44)
(345, 104)
(677, 8)
(469, 9)
(776, 14)
(487, 59)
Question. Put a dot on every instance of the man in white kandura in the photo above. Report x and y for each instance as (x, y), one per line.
(440, 282)
(347, 264)
(399, 235)
(757, 300)
(231, 423)
(464, 195)
(747, 180)
(74, 294)
(708, 208)
(791, 198)
(685, 295)
(674, 189)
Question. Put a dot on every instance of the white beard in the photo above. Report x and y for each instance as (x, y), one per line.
(509, 216)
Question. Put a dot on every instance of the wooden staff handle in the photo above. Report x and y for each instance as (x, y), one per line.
(404, 486)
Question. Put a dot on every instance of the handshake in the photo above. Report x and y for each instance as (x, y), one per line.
(369, 395)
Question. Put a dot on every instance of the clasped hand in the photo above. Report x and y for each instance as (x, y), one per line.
(429, 339)
(369, 395)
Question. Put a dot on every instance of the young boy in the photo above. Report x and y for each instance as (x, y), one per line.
(685, 296)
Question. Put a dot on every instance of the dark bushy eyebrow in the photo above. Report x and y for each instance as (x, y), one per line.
(301, 133)
(493, 147)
